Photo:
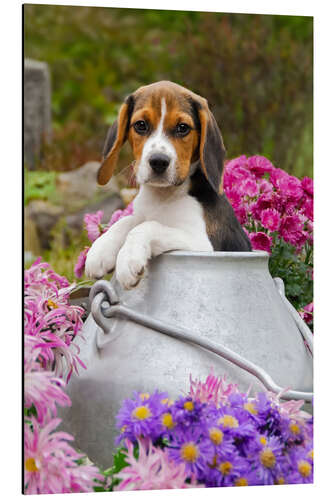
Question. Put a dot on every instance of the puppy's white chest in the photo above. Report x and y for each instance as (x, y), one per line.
(171, 208)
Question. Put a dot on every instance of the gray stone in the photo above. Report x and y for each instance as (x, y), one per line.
(44, 215)
(108, 204)
(37, 109)
(81, 183)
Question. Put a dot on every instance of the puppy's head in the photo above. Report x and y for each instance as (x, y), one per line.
(169, 128)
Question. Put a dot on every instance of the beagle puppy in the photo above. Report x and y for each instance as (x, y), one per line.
(179, 154)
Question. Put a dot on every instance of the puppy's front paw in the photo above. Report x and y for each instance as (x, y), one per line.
(101, 259)
(131, 265)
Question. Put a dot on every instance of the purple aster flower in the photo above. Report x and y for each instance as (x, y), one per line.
(292, 431)
(191, 447)
(301, 460)
(234, 421)
(141, 416)
(269, 417)
(222, 441)
(269, 462)
(187, 412)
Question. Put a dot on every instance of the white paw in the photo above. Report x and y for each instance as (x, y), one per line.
(131, 264)
(101, 258)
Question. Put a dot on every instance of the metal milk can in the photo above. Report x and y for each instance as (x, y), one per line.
(194, 311)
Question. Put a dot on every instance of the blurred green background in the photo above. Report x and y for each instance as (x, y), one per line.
(255, 71)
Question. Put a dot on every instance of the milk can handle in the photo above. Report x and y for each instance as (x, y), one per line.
(103, 291)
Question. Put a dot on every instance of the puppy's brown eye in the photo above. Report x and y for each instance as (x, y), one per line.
(182, 129)
(141, 127)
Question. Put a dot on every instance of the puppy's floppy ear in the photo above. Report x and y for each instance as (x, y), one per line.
(116, 137)
(212, 151)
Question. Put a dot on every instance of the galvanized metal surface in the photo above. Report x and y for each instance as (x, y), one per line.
(227, 302)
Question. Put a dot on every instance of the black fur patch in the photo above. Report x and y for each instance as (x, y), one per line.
(223, 229)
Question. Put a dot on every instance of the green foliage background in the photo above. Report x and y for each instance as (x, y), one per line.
(255, 70)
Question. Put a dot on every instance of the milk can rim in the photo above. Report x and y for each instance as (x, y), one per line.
(255, 254)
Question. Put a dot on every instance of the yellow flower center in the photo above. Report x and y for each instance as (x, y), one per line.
(167, 420)
(242, 481)
(310, 454)
(167, 401)
(144, 395)
(189, 452)
(52, 304)
(141, 412)
(30, 465)
(225, 468)
(294, 429)
(280, 480)
(229, 421)
(263, 440)
(267, 458)
(189, 406)
(304, 468)
(214, 462)
(123, 429)
(250, 408)
(216, 435)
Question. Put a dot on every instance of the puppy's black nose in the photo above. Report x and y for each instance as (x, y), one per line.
(159, 162)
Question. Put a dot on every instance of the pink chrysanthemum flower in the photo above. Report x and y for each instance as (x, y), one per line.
(264, 186)
(234, 197)
(291, 187)
(276, 176)
(240, 161)
(259, 165)
(93, 225)
(261, 241)
(50, 462)
(249, 187)
(307, 313)
(81, 262)
(291, 224)
(50, 318)
(119, 214)
(270, 219)
(307, 185)
(213, 389)
(291, 409)
(41, 388)
(152, 471)
(40, 273)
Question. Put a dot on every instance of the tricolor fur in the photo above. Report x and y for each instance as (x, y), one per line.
(179, 154)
